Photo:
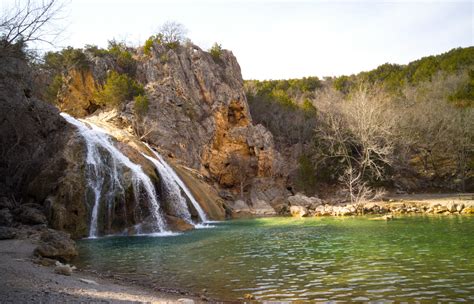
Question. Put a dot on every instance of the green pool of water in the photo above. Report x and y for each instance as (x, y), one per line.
(409, 258)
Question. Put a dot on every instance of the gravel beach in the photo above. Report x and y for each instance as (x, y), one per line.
(23, 280)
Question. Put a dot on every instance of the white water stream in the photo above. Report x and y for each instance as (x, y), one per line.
(105, 163)
(173, 185)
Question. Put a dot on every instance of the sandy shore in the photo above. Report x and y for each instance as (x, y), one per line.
(24, 281)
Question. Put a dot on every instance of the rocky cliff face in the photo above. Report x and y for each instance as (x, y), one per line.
(32, 135)
(198, 114)
(37, 148)
(201, 111)
(45, 167)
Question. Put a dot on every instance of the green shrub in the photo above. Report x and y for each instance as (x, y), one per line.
(95, 50)
(51, 93)
(464, 96)
(308, 107)
(123, 57)
(282, 97)
(148, 46)
(140, 104)
(66, 59)
(343, 84)
(118, 89)
(216, 51)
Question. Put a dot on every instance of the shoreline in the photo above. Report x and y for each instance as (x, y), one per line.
(436, 204)
(24, 280)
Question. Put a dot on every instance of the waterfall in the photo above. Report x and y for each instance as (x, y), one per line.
(104, 165)
(174, 183)
(178, 202)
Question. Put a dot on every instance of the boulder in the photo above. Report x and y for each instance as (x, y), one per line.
(64, 269)
(452, 207)
(319, 211)
(30, 215)
(302, 200)
(260, 207)
(328, 210)
(282, 209)
(468, 210)
(352, 209)
(7, 233)
(440, 209)
(460, 207)
(56, 245)
(298, 211)
(344, 211)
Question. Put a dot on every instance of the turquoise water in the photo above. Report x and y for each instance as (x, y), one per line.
(409, 258)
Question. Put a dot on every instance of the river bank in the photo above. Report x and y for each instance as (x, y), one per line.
(440, 204)
(24, 280)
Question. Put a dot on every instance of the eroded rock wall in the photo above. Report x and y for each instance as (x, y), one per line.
(202, 117)
(197, 114)
(39, 151)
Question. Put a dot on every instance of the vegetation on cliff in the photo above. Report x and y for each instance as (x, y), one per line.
(117, 89)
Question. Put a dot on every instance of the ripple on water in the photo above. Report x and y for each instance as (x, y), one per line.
(309, 260)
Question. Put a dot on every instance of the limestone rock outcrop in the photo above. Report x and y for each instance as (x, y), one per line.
(197, 114)
(201, 113)
(300, 199)
(298, 211)
(56, 245)
(43, 167)
(77, 98)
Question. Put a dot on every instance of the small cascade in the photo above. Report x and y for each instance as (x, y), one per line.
(173, 183)
(104, 175)
(178, 202)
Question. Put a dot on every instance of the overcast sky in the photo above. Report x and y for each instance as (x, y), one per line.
(286, 39)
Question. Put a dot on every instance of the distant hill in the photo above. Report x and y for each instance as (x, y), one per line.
(423, 111)
(396, 76)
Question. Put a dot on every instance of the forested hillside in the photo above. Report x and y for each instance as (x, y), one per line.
(404, 127)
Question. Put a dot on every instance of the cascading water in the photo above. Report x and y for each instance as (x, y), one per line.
(105, 163)
(174, 183)
(178, 202)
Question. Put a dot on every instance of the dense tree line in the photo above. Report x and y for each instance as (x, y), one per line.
(395, 77)
(375, 129)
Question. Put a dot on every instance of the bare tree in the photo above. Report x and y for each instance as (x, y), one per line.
(242, 169)
(29, 21)
(172, 33)
(358, 136)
